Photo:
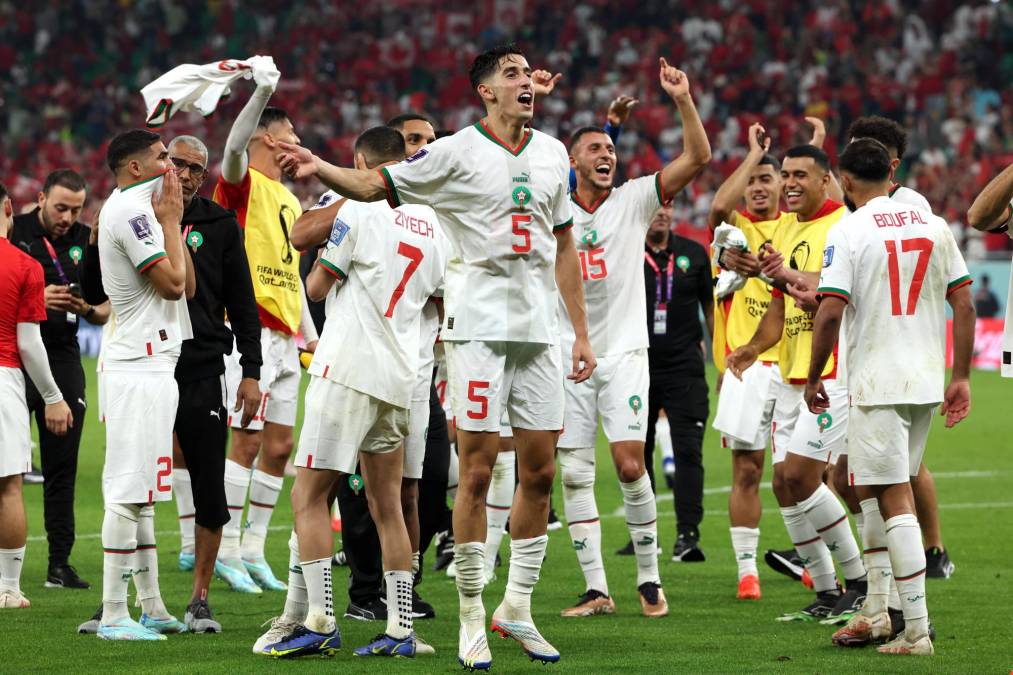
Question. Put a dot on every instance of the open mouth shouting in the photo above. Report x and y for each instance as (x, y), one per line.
(526, 99)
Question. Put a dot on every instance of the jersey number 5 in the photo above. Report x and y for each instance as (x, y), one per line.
(414, 256)
(517, 220)
(924, 248)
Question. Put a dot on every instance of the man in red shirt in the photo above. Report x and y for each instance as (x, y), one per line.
(22, 308)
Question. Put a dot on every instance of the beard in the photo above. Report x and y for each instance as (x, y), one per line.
(850, 204)
(656, 236)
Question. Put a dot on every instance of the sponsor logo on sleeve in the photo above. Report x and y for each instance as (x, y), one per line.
(338, 231)
(325, 200)
(828, 256)
(140, 226)
(417, 156)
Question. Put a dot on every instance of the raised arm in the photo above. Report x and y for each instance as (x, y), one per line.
(729, 195)
(363, 185)
(696, 150)
(834, 190)
(571, 290)
(993, 208)
(234, 159)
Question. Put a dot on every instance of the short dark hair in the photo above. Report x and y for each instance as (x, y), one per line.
(3, 192)
(398, 121)
(812, 152)
(271, 115)
(128, 144)
(866, 159)
(885, 130)
(580, 133)
(443, 133)
(379, 145)
(65, 178)
(487, 63)
(771, 160)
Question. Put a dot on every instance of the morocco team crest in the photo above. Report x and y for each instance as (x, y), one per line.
(824, 420)
(521, 196)
(636, 404)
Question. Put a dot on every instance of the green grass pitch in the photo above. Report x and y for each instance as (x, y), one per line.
(707, 630)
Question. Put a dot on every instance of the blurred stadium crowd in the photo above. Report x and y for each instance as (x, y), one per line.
(74, 70)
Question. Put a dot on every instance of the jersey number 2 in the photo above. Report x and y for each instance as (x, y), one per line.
(414, 256)
(924, 248)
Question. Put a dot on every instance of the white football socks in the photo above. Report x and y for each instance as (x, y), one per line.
(146, 565)
(183, 491)
(296, 600)
(470, 579)
(526, 556)
(237, 483)
(907, 557)
(264, 491)
(577, 468)
(11, 560)
(642, 521)
(399, 603)
(119, 544)
(810, 547)
(877, 559)
(826, 514)
(744, 543)
(320, 617)
(497, 506)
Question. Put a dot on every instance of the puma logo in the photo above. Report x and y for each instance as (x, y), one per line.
(216, 415)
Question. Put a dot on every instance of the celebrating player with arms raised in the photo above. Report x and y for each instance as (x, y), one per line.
(611, 225)
(499, 189)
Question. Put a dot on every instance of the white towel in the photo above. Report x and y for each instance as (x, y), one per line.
(727, 236)
(194, 88)
(741, 402)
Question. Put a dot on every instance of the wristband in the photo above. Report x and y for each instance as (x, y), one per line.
(91, 310)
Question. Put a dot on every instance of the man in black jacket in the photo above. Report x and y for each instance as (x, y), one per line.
(213, 238)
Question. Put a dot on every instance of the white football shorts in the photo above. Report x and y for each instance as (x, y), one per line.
(15, 427)
(617, 390)
(523, 378)
(140, 413)
(340, 422)
(886, 443)
(822, 437)
(279, 381)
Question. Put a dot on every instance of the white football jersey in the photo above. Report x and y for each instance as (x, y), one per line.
(610, 242)
(130, 242)
(895, 264)
(391, 261)
(499, 207)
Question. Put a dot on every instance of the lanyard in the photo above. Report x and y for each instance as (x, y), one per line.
(56, 261)
(669, 269)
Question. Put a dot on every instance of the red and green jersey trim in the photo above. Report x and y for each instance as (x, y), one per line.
(836, 292)
(660, 189)
(563, 226)
(144, 180)
(146, 264)
(594, 206)
(487, 132)
(333, 270)
(958, 283)
(388, 183)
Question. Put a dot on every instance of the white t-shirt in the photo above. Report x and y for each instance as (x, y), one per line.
(499, 207)
(148, 329)
(610, 242)
(894, 264)
(392, 261)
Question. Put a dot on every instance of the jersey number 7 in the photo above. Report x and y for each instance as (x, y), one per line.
(924, 248)
(415, 257)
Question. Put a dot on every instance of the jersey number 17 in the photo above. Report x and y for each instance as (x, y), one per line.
(924, 248)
